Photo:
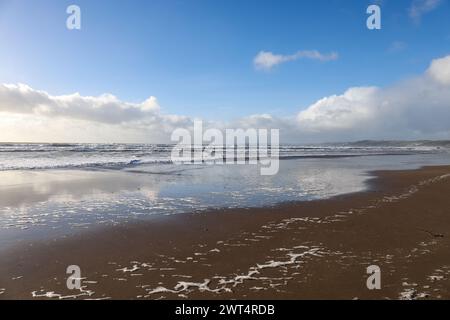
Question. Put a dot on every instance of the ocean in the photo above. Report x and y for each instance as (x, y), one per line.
(23, 156)
(69, 186)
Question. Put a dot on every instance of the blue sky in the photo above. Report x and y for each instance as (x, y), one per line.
(196, 56)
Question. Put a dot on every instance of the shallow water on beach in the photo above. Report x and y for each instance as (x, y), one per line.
(36, 203)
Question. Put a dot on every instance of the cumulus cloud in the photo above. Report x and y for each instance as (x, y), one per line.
(416, 108)
(340, 112)
(440, 70)
(420, 7)
(105, 117)
(266, 60)
(106, 108)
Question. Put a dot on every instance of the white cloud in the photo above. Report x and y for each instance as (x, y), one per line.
(106, 108)
(341, 112)
(28, 114)
(265, 60)
(417, 108)
(440, 70)
(420, 7)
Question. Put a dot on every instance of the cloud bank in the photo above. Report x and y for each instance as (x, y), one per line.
(106, 108)
(416, 108)
(75, 117)
(265, 60)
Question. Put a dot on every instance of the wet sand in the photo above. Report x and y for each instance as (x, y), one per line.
(305, 250)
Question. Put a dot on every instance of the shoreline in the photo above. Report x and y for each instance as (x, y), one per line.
(297, 250)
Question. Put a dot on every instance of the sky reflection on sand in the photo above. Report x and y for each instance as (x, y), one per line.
(59, 201)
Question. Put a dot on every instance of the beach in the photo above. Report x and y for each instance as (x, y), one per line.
(226, 155)
(315, 249)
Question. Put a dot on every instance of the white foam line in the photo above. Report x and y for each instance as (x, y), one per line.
(412, 294)
(436, 278)
(161, 290)
(183, 286)
(413, 189)
(292, 260)
(104, 298)
(120, 279)
(132, 269)
(258, 288)
(52, 294)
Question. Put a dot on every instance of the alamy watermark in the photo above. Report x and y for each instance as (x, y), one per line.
(374, 280)
(374, 20)
(73, 21)
(74, 280)
(231, 146)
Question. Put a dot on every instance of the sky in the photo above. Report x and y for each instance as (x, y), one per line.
(139, 69)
